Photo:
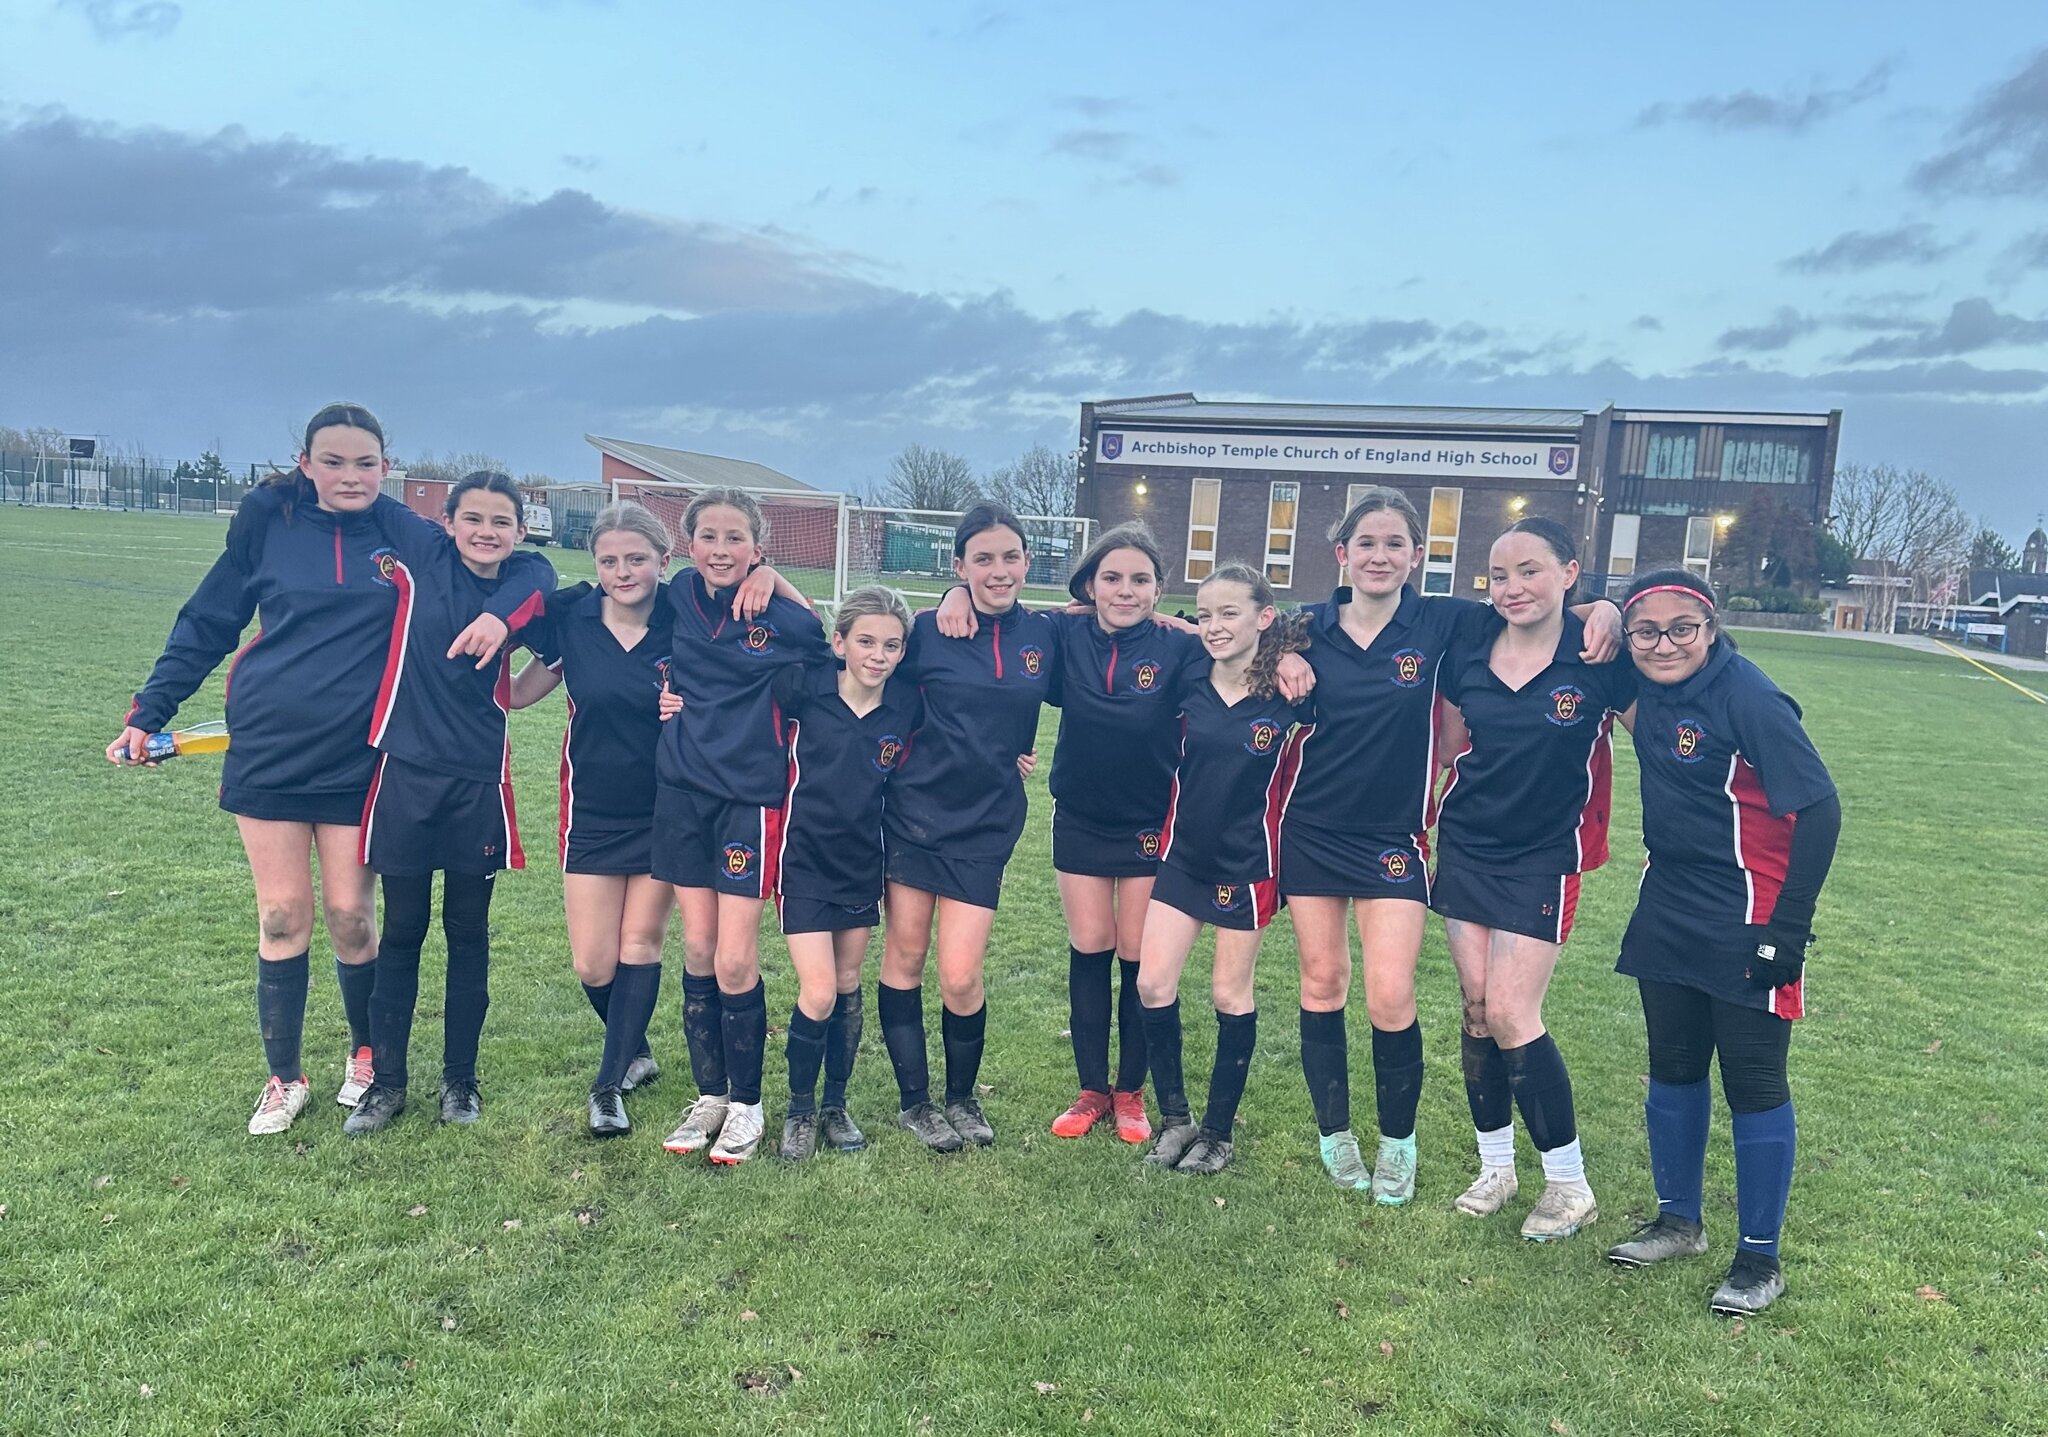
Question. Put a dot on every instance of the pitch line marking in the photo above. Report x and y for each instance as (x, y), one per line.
(2037, 698)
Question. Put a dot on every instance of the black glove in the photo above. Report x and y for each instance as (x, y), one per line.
(1774, 954)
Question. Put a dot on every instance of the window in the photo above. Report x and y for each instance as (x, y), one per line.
(1440, 557)
(1699, 544)
(1674, 454)
(1621, 548)
(1280, 533)
(1205, 496)
(1749, 459)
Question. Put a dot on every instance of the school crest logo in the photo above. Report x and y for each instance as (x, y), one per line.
(1264, 733)
(1112, 446)
(1146, 676)
(1398, 865)
(1034, 659)
(1408, 667)
(1226, 897)
(888, 749)
(1150, 842)
(760, 638)
(1561, 459)
(1567, 704)
(739, 860)
(1689, 741)
(383, 564)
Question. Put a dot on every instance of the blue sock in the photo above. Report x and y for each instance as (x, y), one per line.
(1677, 1120)
(1764, 1146)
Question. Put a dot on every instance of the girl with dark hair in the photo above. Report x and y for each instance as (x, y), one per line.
(1239, 743)
(441, 797)
(306, 553)
(1355, 834)
(1740, 819)
(1525, 812)
(612, 658)
(721, 772)
(955, 813)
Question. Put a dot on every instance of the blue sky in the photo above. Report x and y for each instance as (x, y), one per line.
(811, 235)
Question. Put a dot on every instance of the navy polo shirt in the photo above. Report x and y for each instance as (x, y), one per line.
(1726, 766)
(1118, 694)
(1531, 791)
(959, 791)
(614, 697)
(1236, 769)
(728, 741)
(1370, 766)
(840, 764)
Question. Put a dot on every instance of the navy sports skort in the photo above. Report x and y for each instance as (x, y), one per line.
(344, 807)
(701, 841)
(811, 915)
(1244, 906)
(417, 821)
(612, 853)
(1321, 863)
(964, 880)
(1097, 850)
(1536, 905)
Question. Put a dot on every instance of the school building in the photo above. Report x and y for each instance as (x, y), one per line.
(1263, 483)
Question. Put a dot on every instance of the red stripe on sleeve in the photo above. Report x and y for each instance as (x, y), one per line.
(1763, 841)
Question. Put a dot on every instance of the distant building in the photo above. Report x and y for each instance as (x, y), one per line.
(1264, 482)
(634, 462)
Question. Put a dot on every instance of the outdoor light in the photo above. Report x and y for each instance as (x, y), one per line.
(1722, 521)
(1517, 504)
(1139, 488)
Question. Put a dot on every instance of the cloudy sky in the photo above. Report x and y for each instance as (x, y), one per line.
(810, 234)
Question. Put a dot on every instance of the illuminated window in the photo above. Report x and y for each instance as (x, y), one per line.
(1674, 454)
(1280, 509)
(1699, 544)
(1440, 557)
(1205, 497)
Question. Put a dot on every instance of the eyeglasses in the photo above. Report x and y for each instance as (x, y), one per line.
(1644, 637)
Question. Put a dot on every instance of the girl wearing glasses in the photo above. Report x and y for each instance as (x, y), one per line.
(1740, 819)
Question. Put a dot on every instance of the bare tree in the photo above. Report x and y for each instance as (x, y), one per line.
(1904, 524)
(1038, 481)
(921, 478)
(454, 465)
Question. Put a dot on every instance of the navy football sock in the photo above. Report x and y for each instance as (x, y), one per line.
(1765, 1144)
(1676, 1116)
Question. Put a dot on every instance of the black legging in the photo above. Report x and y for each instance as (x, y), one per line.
(1686, 1028)
(466, 924)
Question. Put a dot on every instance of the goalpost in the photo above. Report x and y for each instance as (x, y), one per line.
(828, 545)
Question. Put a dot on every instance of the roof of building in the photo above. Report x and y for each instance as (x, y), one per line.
(685, 466)
(2003, 588)
(1186, 406)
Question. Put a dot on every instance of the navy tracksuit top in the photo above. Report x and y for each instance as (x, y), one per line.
(440, 713)
(1118, 695)
(301, 692)
(959, 792)
(1726, 766)
(729, 740)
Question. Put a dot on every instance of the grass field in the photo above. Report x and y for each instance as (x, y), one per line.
(161, 1272)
